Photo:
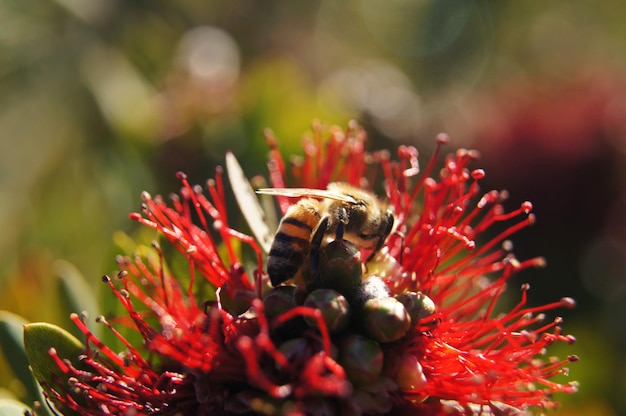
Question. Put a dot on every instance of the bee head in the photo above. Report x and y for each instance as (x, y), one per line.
(366, 225)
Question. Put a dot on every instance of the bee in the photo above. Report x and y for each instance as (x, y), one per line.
(342, 211)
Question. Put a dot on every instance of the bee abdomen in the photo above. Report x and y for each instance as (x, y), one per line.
(297, 224)
(291, 244)
(286, 257)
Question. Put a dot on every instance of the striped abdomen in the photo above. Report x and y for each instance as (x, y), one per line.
(292, 242)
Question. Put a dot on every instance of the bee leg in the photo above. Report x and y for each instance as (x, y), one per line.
(342, 214)
(310, 274)
(316, 242)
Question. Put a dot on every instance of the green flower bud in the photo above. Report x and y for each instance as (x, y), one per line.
(361, 358)
(295, 349)
(280, 300)
(417, 304)
(340, 267)
(410, 375)
(385, 320)
(334, 308)
(298, 348)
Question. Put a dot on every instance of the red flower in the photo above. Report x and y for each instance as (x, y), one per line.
(231, 350)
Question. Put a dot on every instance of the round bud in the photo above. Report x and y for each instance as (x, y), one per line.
(279, 300)
(361, 358)
(410, 375)
(385, 320)
(294, 349)
(334, 308)
(340, 267)
(417, 304)
(300, 348)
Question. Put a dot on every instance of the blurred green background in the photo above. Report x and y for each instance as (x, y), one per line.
(101, 99)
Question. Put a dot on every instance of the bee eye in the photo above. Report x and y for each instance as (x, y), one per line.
(389, 221)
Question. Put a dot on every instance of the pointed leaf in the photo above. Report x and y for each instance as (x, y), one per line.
(10, 407)
(12, 343)
(38, 339)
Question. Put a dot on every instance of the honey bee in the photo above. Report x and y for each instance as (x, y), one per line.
(342, 211)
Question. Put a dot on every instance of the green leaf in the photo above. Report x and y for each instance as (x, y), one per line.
(10, 407)
(12, 342)
(76, 294)
(38, 339)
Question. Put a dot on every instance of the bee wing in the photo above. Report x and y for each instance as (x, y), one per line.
(307, 192)
(249, 203)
